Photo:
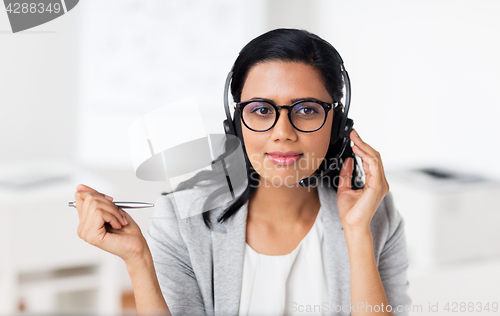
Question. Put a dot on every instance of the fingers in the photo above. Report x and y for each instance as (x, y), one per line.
(92, 227)
(94, 202)
(125, 216)
(81, 194)
(95, 209)
(95, 231)
(104, 225)
(81, 188)
(372, 163)
(362, 145)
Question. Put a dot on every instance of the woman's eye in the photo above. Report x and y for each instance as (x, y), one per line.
(306, 110)
(262, 110)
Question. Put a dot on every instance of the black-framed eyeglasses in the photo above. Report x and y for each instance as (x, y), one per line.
(305, 115)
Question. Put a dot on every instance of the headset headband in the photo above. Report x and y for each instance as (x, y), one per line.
(226, 104)
(229, 124)
(340, 129)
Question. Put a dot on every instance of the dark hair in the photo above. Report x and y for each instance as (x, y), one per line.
(289, 45)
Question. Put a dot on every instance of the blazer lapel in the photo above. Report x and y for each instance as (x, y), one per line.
(229, 249)
(228, 255)
(335, 255)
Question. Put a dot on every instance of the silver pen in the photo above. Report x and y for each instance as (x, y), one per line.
(124, 204)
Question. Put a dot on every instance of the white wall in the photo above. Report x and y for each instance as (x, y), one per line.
(38, 90)
(151, 53)
(425, 77)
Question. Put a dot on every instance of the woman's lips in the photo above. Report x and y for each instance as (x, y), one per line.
(281, 158)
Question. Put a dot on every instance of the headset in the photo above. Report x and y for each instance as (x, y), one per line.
(341, 126)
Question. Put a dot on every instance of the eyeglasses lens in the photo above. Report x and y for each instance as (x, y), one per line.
(306, 116)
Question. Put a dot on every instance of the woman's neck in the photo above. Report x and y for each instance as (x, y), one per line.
(283, 205)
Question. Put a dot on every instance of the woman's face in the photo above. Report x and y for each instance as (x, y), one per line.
(283, 82)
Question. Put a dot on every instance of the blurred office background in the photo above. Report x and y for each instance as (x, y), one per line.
(425, 78)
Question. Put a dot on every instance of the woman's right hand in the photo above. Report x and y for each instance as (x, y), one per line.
(105, 226)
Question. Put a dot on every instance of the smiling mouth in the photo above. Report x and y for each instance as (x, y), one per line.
(283, 159)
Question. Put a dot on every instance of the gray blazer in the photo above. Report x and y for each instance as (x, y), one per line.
(200, 270)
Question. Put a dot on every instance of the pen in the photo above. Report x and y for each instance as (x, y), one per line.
(124, 204)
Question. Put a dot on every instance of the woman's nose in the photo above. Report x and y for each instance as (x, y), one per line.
(283, 129)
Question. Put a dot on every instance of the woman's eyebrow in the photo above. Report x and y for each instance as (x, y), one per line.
(307, 98)
(292, 100)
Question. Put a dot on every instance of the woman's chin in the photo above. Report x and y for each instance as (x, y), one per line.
(288, 179)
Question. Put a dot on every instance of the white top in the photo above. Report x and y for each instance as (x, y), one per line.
(291, 284)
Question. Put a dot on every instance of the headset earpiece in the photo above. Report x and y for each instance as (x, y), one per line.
(237, 125)
(347, 128)
(228, 123)
(337, 119)
(228, 128)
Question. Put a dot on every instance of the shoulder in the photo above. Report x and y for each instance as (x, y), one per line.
(183, 204)
(171, 235)
(182, 211)
(164, 206)
(389, 211)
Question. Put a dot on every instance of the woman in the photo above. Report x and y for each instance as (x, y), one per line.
(280, 248)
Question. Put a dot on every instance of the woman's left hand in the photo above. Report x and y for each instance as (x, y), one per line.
(357, 207)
